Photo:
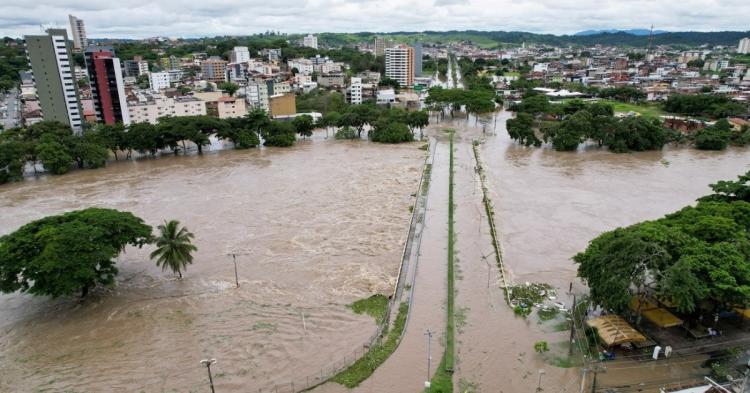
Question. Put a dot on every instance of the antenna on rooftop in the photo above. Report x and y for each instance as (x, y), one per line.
(650, 39)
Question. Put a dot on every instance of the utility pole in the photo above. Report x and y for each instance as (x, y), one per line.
(236, 277)
(428, 333)
(539, 385)
(208, 363)
(572, 326)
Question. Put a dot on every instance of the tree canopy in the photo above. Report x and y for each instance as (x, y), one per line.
(68, 253)
(696, 257)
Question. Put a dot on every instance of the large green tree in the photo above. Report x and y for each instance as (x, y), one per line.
(697, 257)
(69, 253)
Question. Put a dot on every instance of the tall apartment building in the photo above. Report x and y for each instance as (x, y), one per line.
(355, 91)
(51, 62)
(310, 41)
(78, 29)
(417, 59)
(240, 54)
(399, 64)
(214, 69)
(107, 87)
(744, 47)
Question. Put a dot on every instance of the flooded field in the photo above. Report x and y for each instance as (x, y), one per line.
(313, 227)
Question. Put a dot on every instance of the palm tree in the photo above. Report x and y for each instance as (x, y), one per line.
(173, 247)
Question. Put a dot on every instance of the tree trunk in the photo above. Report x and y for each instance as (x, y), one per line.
(179, 273)
(115, 153)
(84, 291)
(200, 148)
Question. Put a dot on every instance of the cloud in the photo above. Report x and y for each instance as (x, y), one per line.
(181, 18)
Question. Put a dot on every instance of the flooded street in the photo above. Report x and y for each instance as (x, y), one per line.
(314, 228)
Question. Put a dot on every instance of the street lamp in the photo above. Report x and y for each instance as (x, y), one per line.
(208, 363)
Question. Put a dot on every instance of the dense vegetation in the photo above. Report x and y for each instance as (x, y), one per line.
(567, 125)
(12, 60)
(58, 149)
(69, 253)
(696, 257)
(713, 106)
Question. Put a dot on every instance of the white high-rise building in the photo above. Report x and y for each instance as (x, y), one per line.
(240, 54)
(78, 29)
(744, 47)
(399, 64)
(355, 91)
(310, 41)
(159, 80)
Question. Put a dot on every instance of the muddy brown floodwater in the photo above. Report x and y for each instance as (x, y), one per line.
(548, 205)
(314, 228)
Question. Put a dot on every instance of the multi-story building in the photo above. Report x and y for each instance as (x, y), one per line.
(354, 93)
(380, 45)
(331, 80)
(169, 63)
(159, 80)
(274, 55)
(78, 29)
(417, 59)
(303, 66)
(151, 110)
(327, 67)
(256, 95)
(51, 62)
(136, 67)
(80, 73)
(744, 46)
(214, 69)
(107, 87)
(226, 107)
(399, 64)
(240, 54)
(310, 41)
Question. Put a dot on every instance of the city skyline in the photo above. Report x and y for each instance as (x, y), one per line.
(141, 19)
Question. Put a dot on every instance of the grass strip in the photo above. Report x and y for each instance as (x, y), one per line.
(451, 252)
(442, 381)
(375, 306)
(355, 374)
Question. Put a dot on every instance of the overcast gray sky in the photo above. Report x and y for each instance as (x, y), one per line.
(197, 18)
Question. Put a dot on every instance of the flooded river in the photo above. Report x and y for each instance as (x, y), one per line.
(313, 227)
(550, 204)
